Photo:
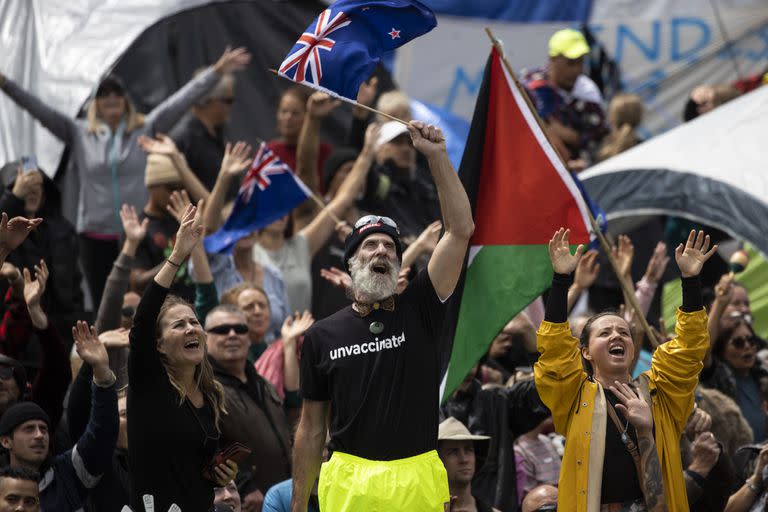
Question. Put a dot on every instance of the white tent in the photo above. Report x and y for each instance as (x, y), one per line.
(712, 170)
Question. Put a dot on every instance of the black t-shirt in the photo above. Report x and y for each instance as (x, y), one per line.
(383, 388)
(327, 299)
(202, 150)
(620, 483)
(157, 246)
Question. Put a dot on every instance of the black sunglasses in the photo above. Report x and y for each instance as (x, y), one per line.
(6, 372)
(740, 342)
(106, 90)
(225, 328)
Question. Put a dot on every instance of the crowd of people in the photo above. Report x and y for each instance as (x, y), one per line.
(301, 371)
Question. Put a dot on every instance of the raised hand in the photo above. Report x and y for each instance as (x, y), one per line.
(657, 264)
(190, 233)
(13, 232)
(236, 159)
(296, 325)
(691, 256)
(633, 407)
(367, 92)
(724, 288)
(427, 138)
(563, 262)
(225, 473)
(336, 277)
(116, 338)
(624, 253)
(135, 231)
(33, 290)
(26, 182)
(162, 145)
(427, 239)
(91, 350)
(587, 270)
(371, 136)
(232, 60)
(343, 229)
(177, 204)
(320, 104)
(402, 280)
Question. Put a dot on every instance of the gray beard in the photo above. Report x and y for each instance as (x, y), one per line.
(370, 286)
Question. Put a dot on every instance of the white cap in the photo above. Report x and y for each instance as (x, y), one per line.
(389, 131)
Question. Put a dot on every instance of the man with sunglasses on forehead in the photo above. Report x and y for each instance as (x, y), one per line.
(373, 368)
(255, 416)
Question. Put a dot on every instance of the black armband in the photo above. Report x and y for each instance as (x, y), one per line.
(692, 298)
(557, 301)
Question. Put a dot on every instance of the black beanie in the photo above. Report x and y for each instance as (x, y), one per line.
(334, 162)
(19, 374)
(20, 413)
(356, 237)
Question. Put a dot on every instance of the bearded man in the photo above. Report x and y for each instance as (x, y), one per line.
(375, 365)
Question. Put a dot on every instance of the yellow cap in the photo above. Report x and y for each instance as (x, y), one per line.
(569, 43)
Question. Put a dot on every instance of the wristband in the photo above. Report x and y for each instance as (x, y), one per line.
(177, 265)
(696, 477)
(109, 383)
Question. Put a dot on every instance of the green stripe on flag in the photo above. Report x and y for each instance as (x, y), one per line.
(500, 282)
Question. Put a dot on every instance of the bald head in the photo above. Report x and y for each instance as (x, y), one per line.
(539, 497)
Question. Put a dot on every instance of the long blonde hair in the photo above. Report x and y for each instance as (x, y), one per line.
(134, 118)
(211, 389)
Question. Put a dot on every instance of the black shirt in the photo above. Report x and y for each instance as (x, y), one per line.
(169, 444)
(202, 150)
(327, 299)
(383, 387)
(157, 246)
(620, 481)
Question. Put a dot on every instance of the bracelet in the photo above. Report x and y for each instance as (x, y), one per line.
(177, 265)
(109, 383)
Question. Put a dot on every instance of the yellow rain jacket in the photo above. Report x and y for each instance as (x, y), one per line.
(579, 411)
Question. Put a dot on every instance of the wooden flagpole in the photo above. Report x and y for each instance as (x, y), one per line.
(626, 287)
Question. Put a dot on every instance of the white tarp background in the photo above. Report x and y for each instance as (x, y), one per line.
(663, 47)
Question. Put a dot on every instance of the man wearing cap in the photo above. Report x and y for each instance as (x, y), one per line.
(456, 447)
(568, 101)
(161, 178)
(25, 432)
(374, 366)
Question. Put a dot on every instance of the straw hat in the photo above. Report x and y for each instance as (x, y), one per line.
(453, 430)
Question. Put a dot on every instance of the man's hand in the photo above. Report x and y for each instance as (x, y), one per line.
(162, 145)
(427, 138)
(657, 264)
(371, 136)
(427, 239)
(116, 338)
(691, 256)
(135, 231)
(563, 262)
(706, 452)
(253, 501)
(624, 253)
(699, 421)
(320, 104)
(26, 182)
(13, 232)
(92, 351)
(724, 288)
(232, 60)
(236, 159)
(587, 270)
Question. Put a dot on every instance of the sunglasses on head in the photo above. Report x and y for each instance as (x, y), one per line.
(742, 341)
(6, 372)
(375, 219)
(225, 328)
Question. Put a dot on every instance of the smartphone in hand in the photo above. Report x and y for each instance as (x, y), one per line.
(28, 163)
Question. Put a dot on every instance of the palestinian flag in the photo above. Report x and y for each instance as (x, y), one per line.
(520, 194)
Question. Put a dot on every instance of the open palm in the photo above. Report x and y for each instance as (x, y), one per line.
(692, 256)
(88, 346)
(34, 289)
(13, 232)
(563, 262)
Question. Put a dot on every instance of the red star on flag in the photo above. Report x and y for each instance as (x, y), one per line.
(395, 34)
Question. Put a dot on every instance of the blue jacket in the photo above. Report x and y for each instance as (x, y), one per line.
(278, 498)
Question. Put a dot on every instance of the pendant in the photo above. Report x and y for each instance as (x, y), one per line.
(624, 438)
(376, 327)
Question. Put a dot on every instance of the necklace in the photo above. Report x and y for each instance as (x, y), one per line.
(624, 435)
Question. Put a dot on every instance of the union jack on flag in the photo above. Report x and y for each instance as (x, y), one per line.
(342, 47)
(265, 163)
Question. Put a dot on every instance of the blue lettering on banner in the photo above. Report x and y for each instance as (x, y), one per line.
(754, 55)
(461, 78)
(705, 37)
(651, 52)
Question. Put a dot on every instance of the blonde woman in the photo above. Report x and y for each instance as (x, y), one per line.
(174, 403)
(108, 161)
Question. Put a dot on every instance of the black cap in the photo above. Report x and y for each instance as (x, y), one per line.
(20, 413)
(369, 225)
(334, 162)
(111, 83)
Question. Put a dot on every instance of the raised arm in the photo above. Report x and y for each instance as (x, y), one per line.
(164, 145)
(308, 451)
(586, 273)
(321, 228)
(166, 114)
(61, 126)
(236, 159)
(13, 232)
(723, 294)
(445, 265)
(319, 105)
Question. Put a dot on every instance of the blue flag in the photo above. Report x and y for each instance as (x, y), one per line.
(270, 190)
(341, 48)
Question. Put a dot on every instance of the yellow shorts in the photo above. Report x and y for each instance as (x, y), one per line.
(416, 484)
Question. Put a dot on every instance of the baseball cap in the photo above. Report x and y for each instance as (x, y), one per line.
(389, 131)
(569, 43)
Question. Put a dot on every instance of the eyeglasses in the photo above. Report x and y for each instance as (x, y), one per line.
(225, 328)
(546, 508)
(741, 341)
(6, 372)
(128, 311)
(375, 219)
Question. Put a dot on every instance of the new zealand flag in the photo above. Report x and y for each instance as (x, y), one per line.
(341, 48)
(270, 190)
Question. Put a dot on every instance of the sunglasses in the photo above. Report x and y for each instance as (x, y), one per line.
(225, 328)
(103, 92)
(375, 219)
(128, 311)
(742, 341)
(6, 372)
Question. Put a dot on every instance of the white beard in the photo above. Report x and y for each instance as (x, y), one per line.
(370, 286)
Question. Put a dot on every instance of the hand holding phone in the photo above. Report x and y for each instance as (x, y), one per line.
(28, 163)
